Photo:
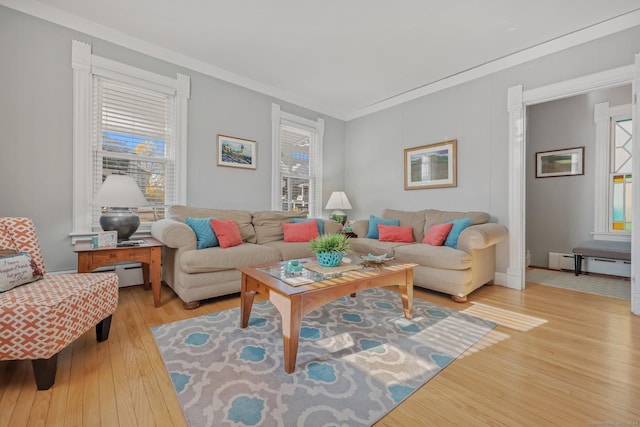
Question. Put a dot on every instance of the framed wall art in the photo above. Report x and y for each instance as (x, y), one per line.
(567, 162)
(236, 152)
(431, 166)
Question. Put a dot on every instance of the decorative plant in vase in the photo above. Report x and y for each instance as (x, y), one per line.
(330, 248)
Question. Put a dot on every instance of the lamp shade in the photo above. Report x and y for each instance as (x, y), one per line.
(120, 191)
(338, 200)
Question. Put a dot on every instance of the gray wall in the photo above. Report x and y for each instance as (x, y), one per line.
(476, 115)
(363, 156)
(560, 210)
(36, 132)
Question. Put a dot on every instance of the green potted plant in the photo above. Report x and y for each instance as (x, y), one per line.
(330, 248)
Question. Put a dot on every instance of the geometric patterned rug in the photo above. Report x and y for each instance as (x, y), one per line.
(358, 358)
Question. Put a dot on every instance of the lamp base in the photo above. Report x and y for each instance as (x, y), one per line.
(339, 216)
(121, 220)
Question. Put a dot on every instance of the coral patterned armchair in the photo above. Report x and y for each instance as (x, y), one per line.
(41, 314)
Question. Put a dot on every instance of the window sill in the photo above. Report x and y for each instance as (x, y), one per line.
(83, 237)
(614, 237)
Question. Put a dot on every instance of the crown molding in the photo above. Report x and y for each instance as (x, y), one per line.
(48, 13)
(93, 29)
(576, 38)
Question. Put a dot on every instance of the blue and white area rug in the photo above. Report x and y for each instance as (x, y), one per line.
(357, 359)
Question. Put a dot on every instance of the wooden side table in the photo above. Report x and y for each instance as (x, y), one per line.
(349, 234)
(149, 254)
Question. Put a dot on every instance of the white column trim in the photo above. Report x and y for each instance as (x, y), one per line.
(276, 114)
(183, 93)
(635, 232)
(317, 209)
(601, 166)
(515, 271)
(82, 187)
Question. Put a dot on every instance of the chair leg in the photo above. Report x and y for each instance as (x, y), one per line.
(45, 371)
(102, 329)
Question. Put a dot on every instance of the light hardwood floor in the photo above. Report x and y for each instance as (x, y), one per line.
(581, 367)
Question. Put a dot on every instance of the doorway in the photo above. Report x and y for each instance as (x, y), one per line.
(518, 100)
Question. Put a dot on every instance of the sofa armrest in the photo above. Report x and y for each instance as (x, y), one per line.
(174, 234)
(481, 236)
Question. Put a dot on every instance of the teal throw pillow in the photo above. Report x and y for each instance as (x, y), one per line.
(458, 226)
(204, 233)
(373, 225)
(320, 223)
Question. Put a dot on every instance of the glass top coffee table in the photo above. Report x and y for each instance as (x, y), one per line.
(295, 300)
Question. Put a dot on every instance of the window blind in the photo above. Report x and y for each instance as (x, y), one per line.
(133, 134)
(297, 151)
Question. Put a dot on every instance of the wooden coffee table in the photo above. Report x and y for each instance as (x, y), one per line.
(293, 302)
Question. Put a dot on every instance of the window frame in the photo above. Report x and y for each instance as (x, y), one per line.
(85, 66)
(278, 118)
(604, 115)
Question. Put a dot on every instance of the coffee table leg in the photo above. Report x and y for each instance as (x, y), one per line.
(246, 302)
(290, 311)
(406, 291)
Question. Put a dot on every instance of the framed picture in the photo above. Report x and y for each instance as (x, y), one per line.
(431, 166)
(236, 152)
(567, 162)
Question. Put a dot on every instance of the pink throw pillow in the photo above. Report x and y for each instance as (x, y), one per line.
(437, 234)
(227, 232)
(395, 233)
(300, 231)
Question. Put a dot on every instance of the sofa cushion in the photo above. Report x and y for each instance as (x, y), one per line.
(413, 219)
(459, 225)
(204, 233)
(433, 216)
(434, 256)
(373, 232)
(300, 232)
(395, 233)
(268, 224)
(291, 250)
(242, 218)
(437, 234)
(366, 246)
(227, 232)
(320, 222)
(219, 259)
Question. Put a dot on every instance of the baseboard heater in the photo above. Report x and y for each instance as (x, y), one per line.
(129, 274)
(613, 267)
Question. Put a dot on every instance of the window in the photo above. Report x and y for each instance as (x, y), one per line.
(133, 131)
(613, 185)
(620, 175)
(126, 121)
(297, 163)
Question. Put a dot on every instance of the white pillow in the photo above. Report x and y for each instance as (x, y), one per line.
(16, 270)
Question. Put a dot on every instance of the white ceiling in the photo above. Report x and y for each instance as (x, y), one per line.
(339, 57)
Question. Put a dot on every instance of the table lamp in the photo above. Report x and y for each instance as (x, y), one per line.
(118, 194)
(338, 201)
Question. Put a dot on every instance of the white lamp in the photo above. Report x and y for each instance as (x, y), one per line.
(120, 193)
(338, 201)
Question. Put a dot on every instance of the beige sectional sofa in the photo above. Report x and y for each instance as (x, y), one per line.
(456, 272)
(196, 274)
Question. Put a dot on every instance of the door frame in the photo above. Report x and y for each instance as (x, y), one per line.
(518, 100)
